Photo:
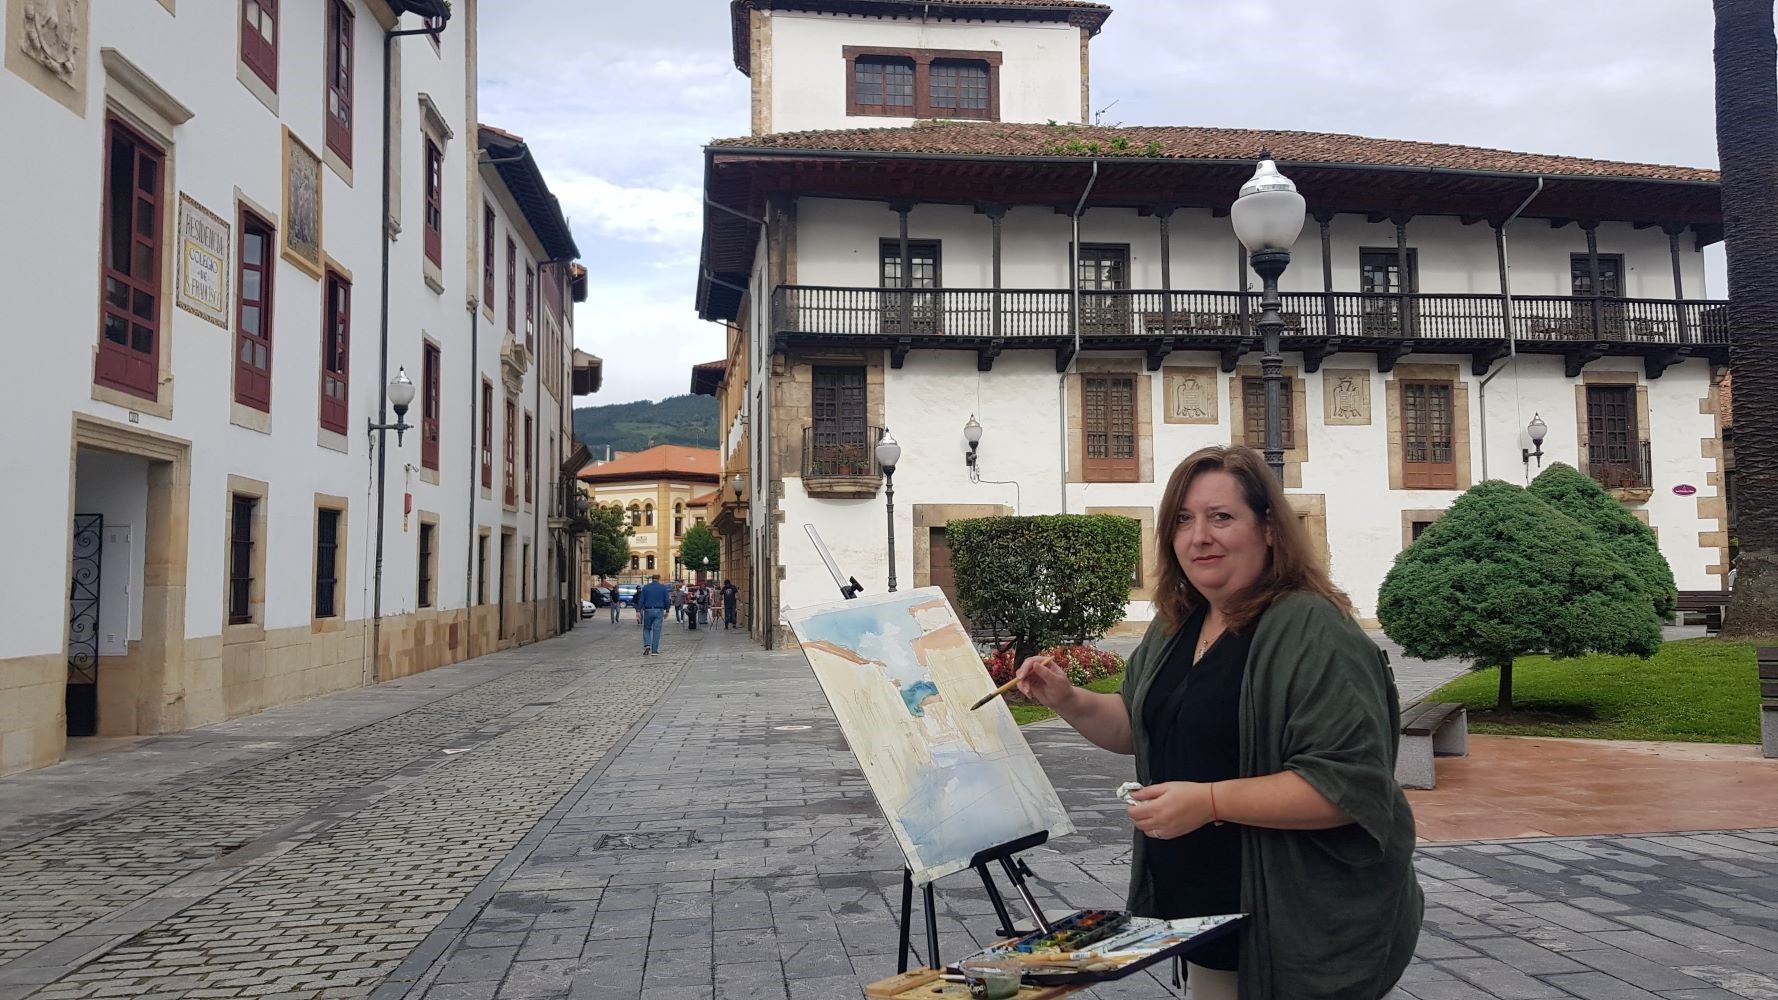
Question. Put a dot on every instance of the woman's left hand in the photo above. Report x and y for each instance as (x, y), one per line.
(1170, 809)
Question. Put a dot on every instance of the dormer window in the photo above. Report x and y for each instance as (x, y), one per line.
(922, 83)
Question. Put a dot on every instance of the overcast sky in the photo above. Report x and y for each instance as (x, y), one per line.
(616, 106)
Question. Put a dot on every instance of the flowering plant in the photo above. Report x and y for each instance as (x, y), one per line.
(1084, 664)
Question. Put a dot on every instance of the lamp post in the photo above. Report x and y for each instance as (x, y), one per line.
(399, 394)
(888, 456)
(1268, 217)
(1537, 430)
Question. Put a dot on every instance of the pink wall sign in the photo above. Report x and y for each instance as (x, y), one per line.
(1685, 489)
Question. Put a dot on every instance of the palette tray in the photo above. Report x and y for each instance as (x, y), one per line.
(1093, 946)
(926, 984)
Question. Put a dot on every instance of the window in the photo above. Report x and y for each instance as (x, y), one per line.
(1253, 412)
(129, 331)
(922, 83)
(434, 202)
(1109, 404)
(923, 272)
(336, 344)
(1611, 286)
(240, 559)
(487, 435)
(1379, 278)
(839, 436)
(635, 563)
(340, 23)
(651, 560)
(648, 515)
(512, 433)
(488, 255)
(1616, 458)
(530, 306)
(481, 570)
(1417, 528)
(678, 520)
(635, 515)
(327, 545)
(528, 439)
(1104, 272)
(512, 286)
(429, 407)
(253, 314)
(425, 583)
(259, 39)
(1428, 454)
(525, 572)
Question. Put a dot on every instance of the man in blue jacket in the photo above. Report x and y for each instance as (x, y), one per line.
(653, 600)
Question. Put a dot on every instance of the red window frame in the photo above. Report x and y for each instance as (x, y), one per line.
(530, 307)
(341, 22)
(336, 352)
(488, 255)
(487, 435)
(434, 202)
(512, 286)
(253, 312)
(529, 439)
(130, 273)
(259, 53)
(431, 362)
(512, 430)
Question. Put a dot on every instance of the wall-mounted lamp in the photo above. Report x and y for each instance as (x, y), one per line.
(972, 433)
(1537, 430)
(401, 393)
(736, 482)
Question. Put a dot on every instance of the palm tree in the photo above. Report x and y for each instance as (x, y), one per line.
(1747, 146)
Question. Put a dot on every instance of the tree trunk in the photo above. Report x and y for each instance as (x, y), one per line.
(1747, 147)
(1504, 701)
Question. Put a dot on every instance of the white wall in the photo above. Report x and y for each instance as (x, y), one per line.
(1039, 77)
(116, 488)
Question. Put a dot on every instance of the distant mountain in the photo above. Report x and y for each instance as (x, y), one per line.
(688, 420)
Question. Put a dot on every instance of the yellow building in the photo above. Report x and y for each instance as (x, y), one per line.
(665, 491)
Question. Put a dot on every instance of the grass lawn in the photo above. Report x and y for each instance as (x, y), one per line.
(1692, 691)
(1026, 712)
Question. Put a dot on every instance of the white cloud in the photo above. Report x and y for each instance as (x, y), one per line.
(598, 207)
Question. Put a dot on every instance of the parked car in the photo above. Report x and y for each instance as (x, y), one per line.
(601, 597)
(626, 594)
(588, 609)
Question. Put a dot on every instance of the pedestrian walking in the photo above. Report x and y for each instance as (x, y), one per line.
(691, 608)
(731, 602)
(1268, 785)
(617, 604)
(679, 602)
(651, 604)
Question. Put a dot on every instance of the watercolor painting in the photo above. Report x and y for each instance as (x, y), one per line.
(901, 673)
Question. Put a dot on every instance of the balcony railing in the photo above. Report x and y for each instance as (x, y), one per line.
(1620, 468)
(1136, 314)
(841, 454)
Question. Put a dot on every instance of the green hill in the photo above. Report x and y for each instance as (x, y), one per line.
(688, 420)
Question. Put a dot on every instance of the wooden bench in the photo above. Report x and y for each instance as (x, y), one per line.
(1429, 729)
(1706, 606)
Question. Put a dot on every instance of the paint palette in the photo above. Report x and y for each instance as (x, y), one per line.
(1092, 946)
(1076, 932)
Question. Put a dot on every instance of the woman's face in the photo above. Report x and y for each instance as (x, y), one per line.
(1219, 541)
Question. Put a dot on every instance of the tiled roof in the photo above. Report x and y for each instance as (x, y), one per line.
(707, 376)
(1083, 13)
(1002, 139)
(664, 461)
(704, 500)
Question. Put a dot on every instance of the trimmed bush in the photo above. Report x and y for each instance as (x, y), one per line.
(1084, 664)
(607, 539)
(700, 549)
(1504, 574)
(1629, 540)
(1040, 581)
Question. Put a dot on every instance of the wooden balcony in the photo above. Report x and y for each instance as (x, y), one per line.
(988, 321)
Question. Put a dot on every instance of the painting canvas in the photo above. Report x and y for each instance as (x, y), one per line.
(302, 206)
(901, 673)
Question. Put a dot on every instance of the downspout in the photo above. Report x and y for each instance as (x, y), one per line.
(376, 621)
(1506, 319)
(475, 440)
(1073, 322)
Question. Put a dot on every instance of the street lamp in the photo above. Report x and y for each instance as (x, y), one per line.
(401, 394)
(1268, 217)
(736, 482)
(888, 456)
(1537, 430)
(972, 433)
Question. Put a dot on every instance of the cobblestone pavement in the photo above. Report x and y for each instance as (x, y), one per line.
(311, 872)
(721, 856)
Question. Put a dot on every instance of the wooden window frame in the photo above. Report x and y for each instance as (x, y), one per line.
(240, 557)
(922, 59)
(487, 434)
(327, 555)
(261, 56)
(342, 62)
(926, 308)
(840, 437)
(1254, 431)
(530, 433)
(116, 365)
(431, 379)
(428, 547)
(512, 287)
(1428, 475)
(336, 337)
(253, 384)
(481, 567)
(1109, 468)
(530, 307)
(512, 432)
(1632, 433)
(1578, 271)
(434, 201)
(488, 229)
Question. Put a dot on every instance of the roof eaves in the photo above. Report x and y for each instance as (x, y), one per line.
(512, 159)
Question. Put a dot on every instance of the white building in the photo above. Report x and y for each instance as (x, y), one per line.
(913, 276)
(203, 253)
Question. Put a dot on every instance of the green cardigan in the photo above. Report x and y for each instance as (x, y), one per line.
(1335, 914)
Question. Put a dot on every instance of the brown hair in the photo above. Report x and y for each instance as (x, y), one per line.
(1291, 566)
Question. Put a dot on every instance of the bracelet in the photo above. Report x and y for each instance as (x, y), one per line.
(1213, 818)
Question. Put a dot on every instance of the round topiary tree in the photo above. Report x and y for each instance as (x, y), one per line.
(700, 549)
(1503, 575)
(1630, 541)
(1045, 580)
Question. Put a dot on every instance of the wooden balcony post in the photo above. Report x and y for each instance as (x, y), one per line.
(996, 215)
(1325, 218)
(1404, 272)
(1241, 290)
(1165, 214)
(1592, 231)
(1683, 335)
(901, 208)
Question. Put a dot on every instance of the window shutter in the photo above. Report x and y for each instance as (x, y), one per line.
(429, 409)
(129, 332)
(340, 61)
(487, 436)
(434, 202)
(259, 39)
(1253, 412)
(1429, 456)
(253, 314)
(1109, 411)
(336, 352)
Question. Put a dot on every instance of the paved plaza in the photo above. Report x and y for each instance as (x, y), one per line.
(572, 820)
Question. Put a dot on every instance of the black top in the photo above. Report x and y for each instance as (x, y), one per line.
(1192, 712)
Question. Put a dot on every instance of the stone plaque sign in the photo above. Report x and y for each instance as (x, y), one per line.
(1346, 397)
(203, 262)
(1190, 395)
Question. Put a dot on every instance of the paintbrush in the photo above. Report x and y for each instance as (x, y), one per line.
(1002, 689)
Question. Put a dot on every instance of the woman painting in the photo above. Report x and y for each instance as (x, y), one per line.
(1264, 725)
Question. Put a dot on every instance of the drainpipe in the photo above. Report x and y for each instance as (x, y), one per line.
(1074, 323)
(1506, 319)
(475, 475)
(376, 621)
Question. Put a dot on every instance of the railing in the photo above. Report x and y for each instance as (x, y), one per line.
(1629, 469)
(1016, 313)
(841, 453)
